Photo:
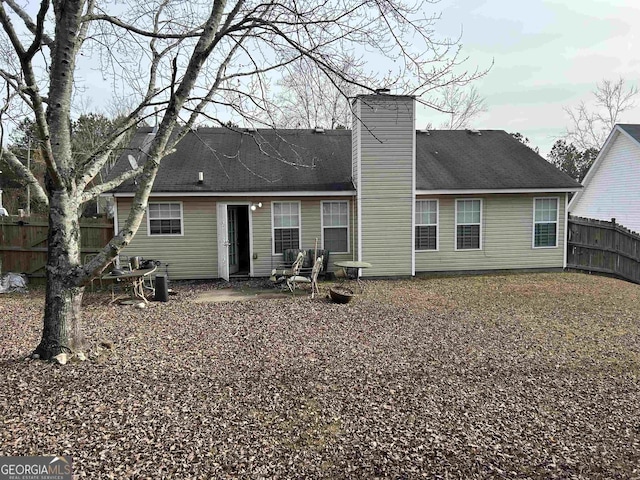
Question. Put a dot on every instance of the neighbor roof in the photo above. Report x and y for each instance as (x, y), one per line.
(632, 129)
(307, 161)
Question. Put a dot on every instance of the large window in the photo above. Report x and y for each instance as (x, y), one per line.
(286, 226)
(468, 224)
(545, 222)
(335, 226)
(426, 224)
(164, 218)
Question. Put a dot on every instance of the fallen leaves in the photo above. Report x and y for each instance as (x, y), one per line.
(512, 376)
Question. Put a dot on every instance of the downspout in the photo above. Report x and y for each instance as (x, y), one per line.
(566, 229)
(413, 196)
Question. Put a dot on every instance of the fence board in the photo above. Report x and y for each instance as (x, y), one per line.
(23, 242)
(604, 247)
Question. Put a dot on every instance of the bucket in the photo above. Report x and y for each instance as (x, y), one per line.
(162, 289)
(135, 262)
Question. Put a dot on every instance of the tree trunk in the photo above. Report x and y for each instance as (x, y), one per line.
(62, 331)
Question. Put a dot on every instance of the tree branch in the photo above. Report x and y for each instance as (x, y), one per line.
(38, 33)
(111, 184)
(33, 28)
(25, 174)
(145, 33)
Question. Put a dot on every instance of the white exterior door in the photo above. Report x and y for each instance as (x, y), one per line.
(223, 240)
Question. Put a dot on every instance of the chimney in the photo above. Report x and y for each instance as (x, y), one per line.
(383, 171)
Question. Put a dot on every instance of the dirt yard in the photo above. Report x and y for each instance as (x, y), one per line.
(501, 376)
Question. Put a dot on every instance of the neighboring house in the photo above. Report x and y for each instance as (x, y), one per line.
(406, 201)
(612, 184)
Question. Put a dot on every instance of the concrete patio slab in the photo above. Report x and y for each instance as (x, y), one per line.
(242, 295)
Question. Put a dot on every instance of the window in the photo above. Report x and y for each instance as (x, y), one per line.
(335, 226)
(164, 218)
(286, 226)
(545, 222)
(468, 224)
(426, 224)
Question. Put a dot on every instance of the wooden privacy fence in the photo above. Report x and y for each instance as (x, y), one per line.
(605, 247)
(23, 242)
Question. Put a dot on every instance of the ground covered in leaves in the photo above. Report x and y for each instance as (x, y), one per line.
(500, 376)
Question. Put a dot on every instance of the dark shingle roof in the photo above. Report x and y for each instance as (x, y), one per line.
(457, 159)
(632, 129)
(262, 161)
(302, 160)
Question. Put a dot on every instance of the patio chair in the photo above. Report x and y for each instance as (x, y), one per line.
(317, 268)
(294, 280)
(294, 276)
(281, 273)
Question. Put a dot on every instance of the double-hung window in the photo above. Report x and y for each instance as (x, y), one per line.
(469, 224)
(335, 226)
(426, 225)
(286, 226)
(164, 218)
(545, 222)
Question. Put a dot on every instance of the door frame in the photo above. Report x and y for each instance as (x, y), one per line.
(224, 207)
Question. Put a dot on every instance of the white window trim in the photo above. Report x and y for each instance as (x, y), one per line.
(533, 227)
(273, 225)
(155, 235)
(437, 224)
(455, 221)
(348, 224)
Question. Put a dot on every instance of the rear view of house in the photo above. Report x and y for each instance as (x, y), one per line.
(406, 201)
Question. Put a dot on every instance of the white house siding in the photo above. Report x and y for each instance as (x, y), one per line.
(192, 255)
(507, 230)
(613, 190)
(385, 169)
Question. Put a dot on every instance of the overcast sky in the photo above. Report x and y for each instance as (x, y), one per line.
(547, 54)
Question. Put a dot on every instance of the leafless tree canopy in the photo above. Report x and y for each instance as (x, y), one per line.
(590, 125)
(185, 61)
(308, 98)
(461, 106)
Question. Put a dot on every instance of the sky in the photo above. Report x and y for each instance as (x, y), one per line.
(547, 55)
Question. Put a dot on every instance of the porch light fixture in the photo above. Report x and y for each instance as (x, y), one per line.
(254, 206)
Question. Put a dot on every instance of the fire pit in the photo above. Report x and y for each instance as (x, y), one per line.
(340, 294)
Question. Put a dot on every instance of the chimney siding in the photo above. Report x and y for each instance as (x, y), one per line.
(384, 175)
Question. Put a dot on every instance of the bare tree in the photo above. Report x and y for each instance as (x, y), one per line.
(461, 106)
(182, 61)
(310, 98)
(590, 126)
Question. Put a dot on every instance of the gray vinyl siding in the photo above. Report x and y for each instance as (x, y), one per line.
(507, 230)
(192, 255)
(386, 169)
